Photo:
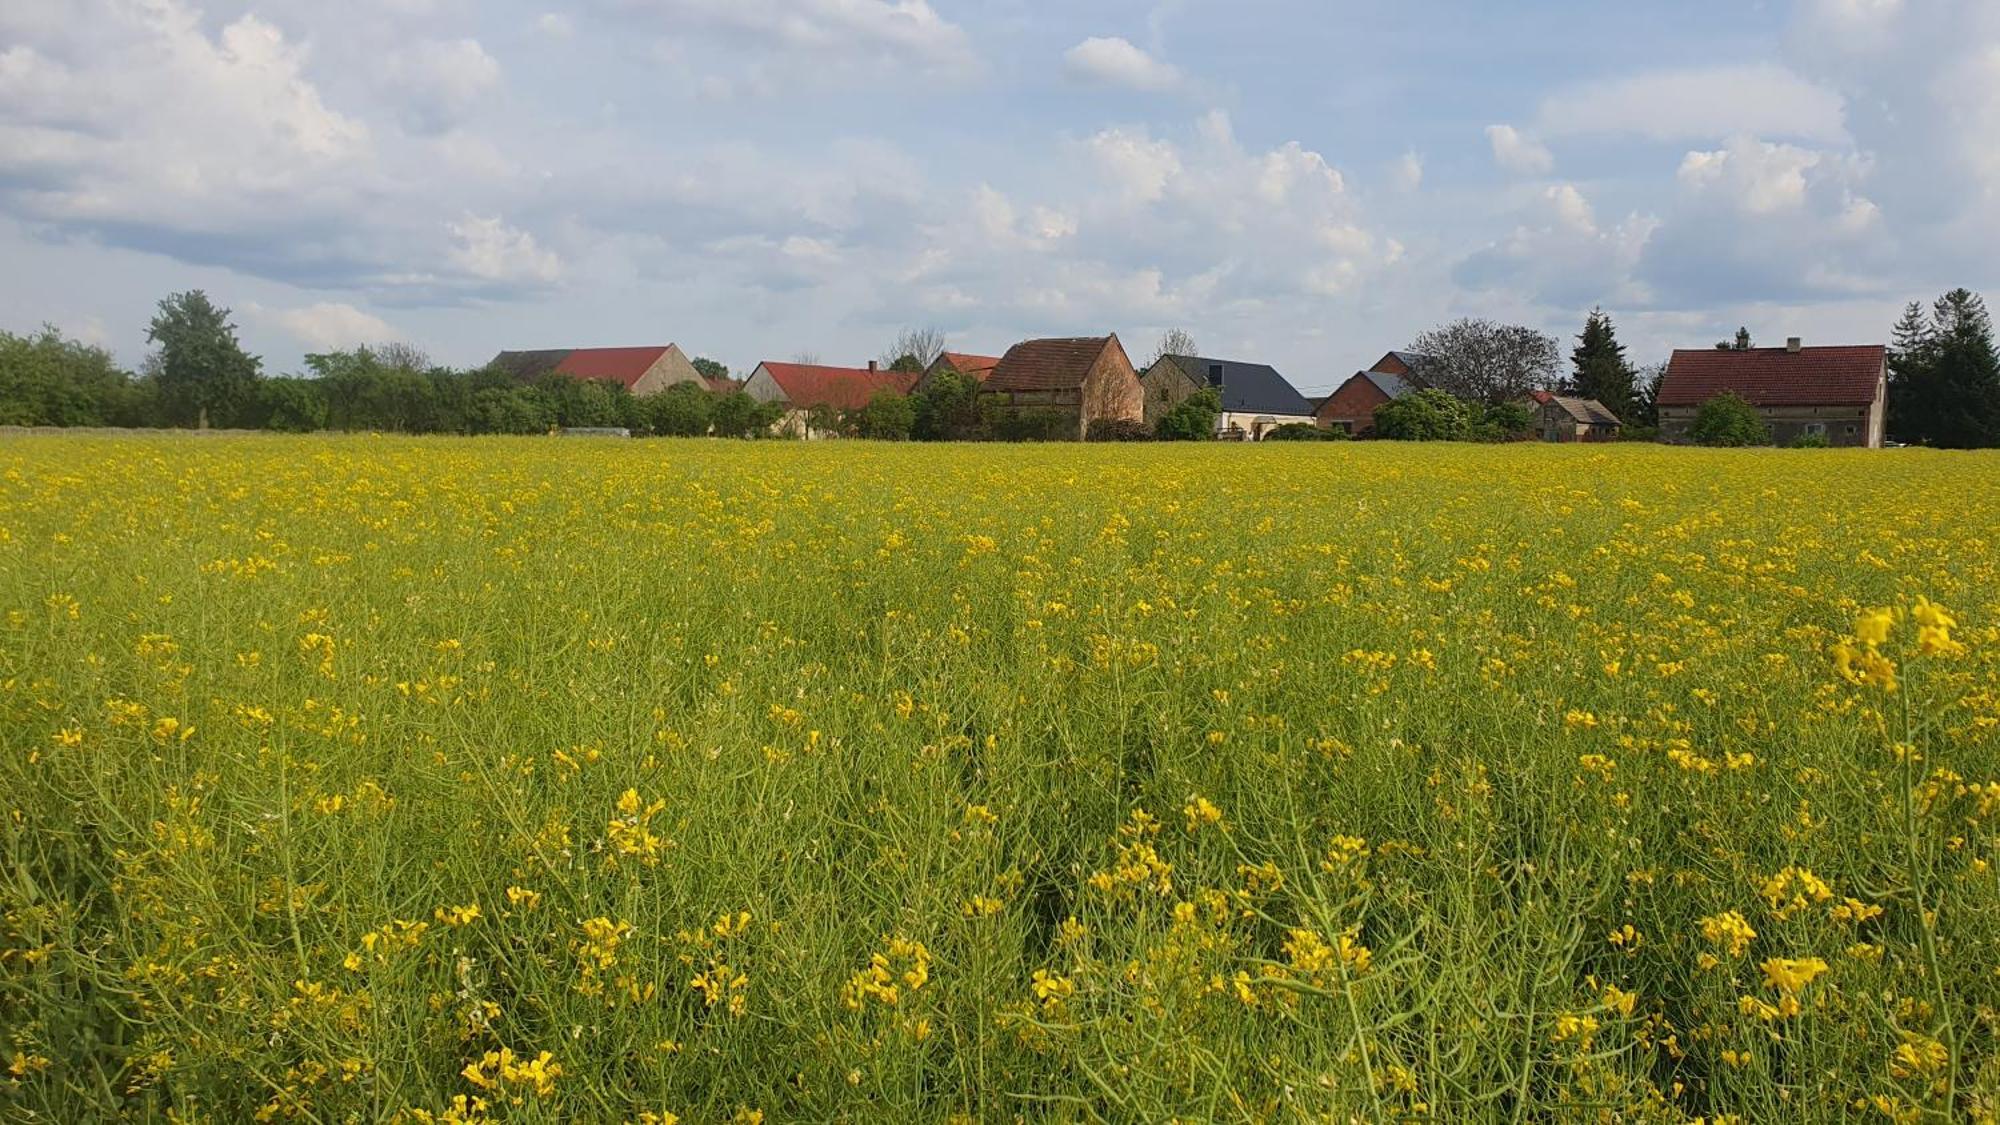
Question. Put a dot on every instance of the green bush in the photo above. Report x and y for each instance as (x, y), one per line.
(1193, 418)
(293, 406)
(682, 410)
(1424, 416)
(1302, 431)
(1811, 441)
(1118, 429)
(1728, 420)
(887, 417)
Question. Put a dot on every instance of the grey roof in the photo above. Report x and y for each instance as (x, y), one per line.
(530, 365)
(1247, 388)
(1395, 386)
(1418, 363)
(1586, 410)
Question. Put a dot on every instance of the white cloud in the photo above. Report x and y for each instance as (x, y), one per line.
(831, 31)
(1764, 99)
(1757, 177)
(555, 25)
(1134, 164)
(1407, 174)
(1116, 62)
(1559, 253)
(1518, 153)
(329, 325)
(439, 82)
(488, 249)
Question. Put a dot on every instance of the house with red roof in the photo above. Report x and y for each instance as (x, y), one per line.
(1070, 382)
(974, 367)
(643, 371)
(1840, 394)
(804, 388)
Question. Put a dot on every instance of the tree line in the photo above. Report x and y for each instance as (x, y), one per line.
(1944, 389)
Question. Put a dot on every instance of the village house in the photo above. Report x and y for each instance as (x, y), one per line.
(1840, 394)
(1080, 380)
(977, 368)
(1351, 408)
(807, 389)
(1564, 418)
(642, 371)
(1255, 398)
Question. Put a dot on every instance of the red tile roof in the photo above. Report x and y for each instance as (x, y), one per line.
(976, 367)
(1776, 376)
(721, 384)
(618, 365)
(1047, 365)
(843, 388)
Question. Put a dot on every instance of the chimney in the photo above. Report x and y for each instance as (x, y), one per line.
(871, 367)
(1795, 345)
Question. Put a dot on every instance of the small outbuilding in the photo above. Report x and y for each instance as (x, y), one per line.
(1565, 418)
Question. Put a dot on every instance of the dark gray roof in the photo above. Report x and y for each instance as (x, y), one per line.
(1247, 388)
(1395, 386)
(530, 365)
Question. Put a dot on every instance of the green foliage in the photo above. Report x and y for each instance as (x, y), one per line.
(206, 378)
(1117, 430)
(509, 410)
(1811, 441)
(887, 417)
(1303, 431)
(682, 410)
(1601, 370)
(1428, 415)
(1193, 418)
(1944, 375)
(709, 369)
(737, 415)
(1727, 420)
(907, 365)
(947, 409)
(46, 380)
(1506, 421)
(1032, 424)
(293, 406)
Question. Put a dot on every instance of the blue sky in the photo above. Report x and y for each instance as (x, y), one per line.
(1309, 183)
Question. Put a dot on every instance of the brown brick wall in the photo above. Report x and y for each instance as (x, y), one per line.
(1353, 404)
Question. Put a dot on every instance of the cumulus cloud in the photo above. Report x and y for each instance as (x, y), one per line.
(147, 127)
(485, 247)
(439, 82)
(1701, 104)
(1561, 254)
(832, 32)
(1518, 153)
(328, 325)
(1116, 62)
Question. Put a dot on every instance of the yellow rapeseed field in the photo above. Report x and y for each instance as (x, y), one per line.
(353, 779)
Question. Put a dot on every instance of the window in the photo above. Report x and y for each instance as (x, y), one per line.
(1818, 429)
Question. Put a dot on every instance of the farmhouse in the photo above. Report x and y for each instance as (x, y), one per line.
(1078, 380)
(806, 388)
(643, 371)
(1840, 393)
(1562, 418)
(1255, 398)
(974, 367)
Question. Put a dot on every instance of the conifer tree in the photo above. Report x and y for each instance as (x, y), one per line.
(1602, 371)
